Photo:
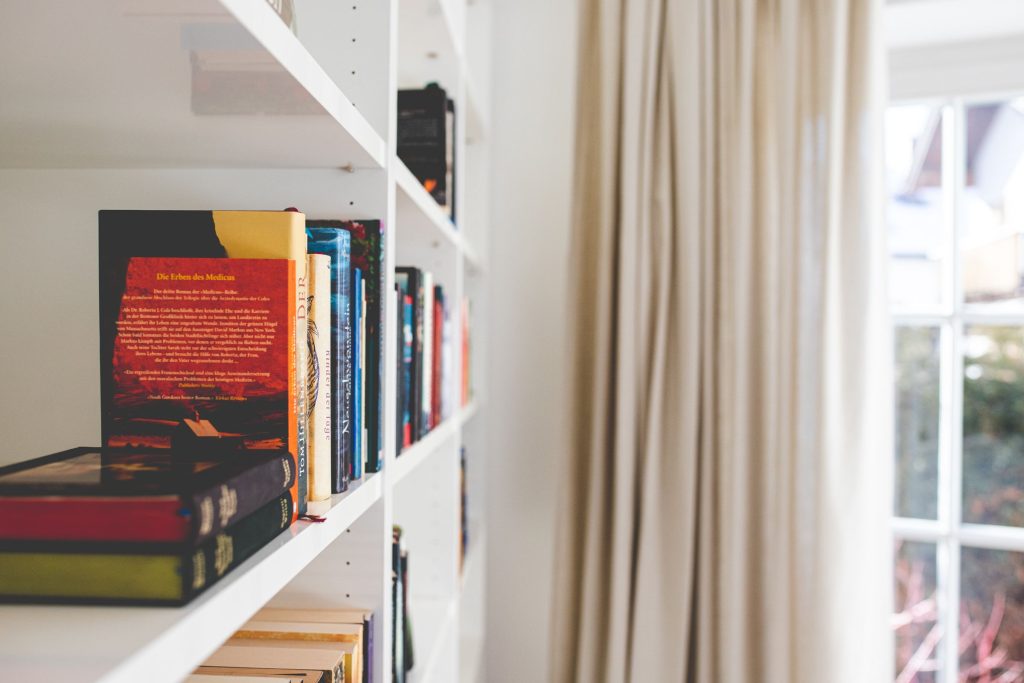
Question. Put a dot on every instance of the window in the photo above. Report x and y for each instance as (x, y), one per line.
(955, 219)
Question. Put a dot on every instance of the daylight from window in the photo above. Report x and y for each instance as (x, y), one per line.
(955, 220)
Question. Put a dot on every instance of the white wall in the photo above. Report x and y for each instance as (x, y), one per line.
(532, 142)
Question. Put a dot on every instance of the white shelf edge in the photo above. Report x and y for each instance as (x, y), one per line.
(241, 593)
(456, 38)
(421, 199)
(267, 28)
(413, 456)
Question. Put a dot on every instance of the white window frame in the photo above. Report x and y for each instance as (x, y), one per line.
(948, 532)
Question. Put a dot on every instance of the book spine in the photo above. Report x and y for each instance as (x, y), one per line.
(378, 329)
(208, 563)
(398, 298)
(226, 503)
(318, 381)
(336, 243)
(342, 274)
(435, 394)
(428, 352)
(300, 354)
(407, 371)
(366, 396)
(418, 428)
(357, 384)
(368, 650)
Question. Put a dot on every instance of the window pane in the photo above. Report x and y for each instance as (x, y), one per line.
(914, 216)
(993, 462)
(917, 421)
(991, 615)
(993, 205)
(915, 621)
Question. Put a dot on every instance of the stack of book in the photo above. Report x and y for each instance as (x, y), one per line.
(335, 644)
(240, 356)
(106, 526)
(223, 331)
(424, 397)
(426, 141)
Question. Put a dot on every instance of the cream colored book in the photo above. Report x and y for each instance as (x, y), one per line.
(276, 654)
(322, 616)
(318, 376)
(225, 674)
(347, 637)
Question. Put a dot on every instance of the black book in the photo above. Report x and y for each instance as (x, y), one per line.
(426, 119)
(149, 496)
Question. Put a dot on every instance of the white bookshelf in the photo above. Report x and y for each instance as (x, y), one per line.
(99, 112)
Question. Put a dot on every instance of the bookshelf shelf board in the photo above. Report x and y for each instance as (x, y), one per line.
(165, 84)
(429, 43)
(472, 562)
(418, 453)
(476, 119)
(474, 263)
(432, 623)
(419, 215)
(126, 644)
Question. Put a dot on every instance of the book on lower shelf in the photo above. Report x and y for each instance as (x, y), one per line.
(111, 526)
(336, 642)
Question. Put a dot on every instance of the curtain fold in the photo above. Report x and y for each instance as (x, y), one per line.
(727, 494)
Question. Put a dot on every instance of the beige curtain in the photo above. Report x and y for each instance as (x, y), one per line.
(726, 499)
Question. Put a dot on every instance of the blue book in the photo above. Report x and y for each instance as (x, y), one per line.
(337, 244)
(407, 308)
(357, 375)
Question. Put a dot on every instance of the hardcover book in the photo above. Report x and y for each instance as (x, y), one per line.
(203, 332)
(367, 254)
(348, 637)
(358, 374)
(324, 657)
(330, 616)
(318, 376)
(426, 421)
(158, 496)
(134, 574)
(241, 674)
(336, 244)
(231, 674)
(426, 123)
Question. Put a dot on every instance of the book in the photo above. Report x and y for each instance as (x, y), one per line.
(364, 418)
(134, 574)
(348, 637)
(367, 254)
(426, 420)
(329, 616)
(336, 243)
(318, 377)
(325, 657)
(157, 496)
(407, 309)
(411, 280)
(229, 674)
(203, 332)
(425, 141)
(358, 389)
(435, 392)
